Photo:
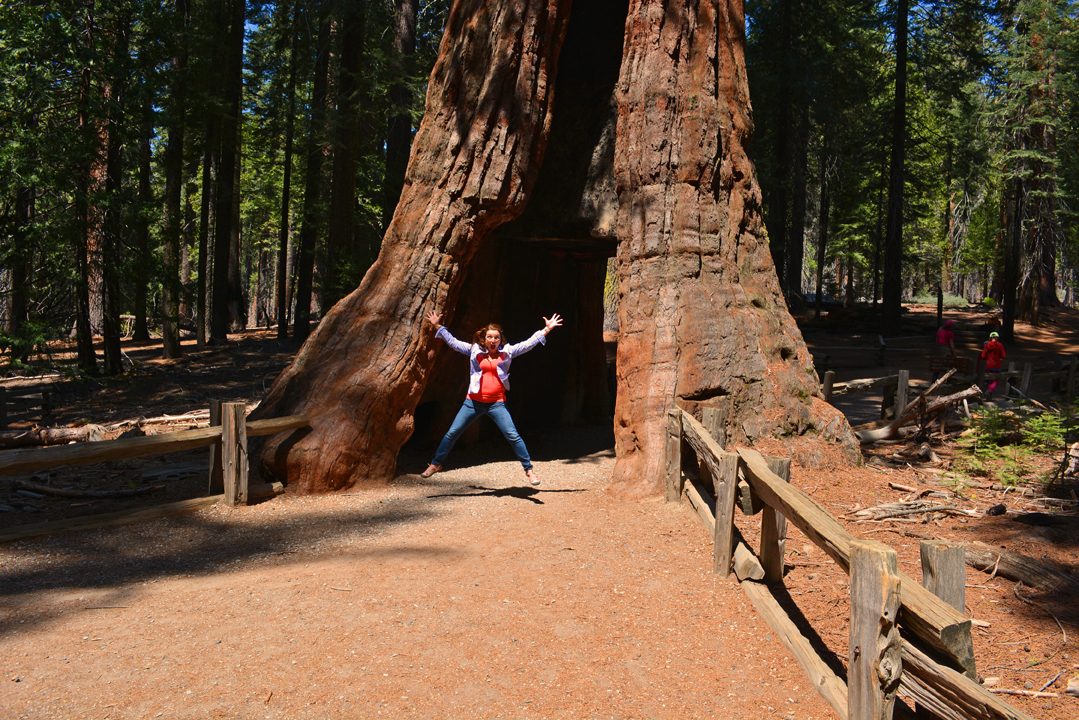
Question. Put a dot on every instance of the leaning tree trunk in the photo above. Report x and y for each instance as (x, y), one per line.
(702, 320)
(475, 158)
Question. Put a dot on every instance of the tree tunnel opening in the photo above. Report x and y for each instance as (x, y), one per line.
(552, 258)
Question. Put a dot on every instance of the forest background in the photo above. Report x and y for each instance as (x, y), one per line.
(202, 167)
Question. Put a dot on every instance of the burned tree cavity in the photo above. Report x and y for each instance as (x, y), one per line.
(516, 196)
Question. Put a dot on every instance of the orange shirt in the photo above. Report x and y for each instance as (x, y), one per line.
(491, 388)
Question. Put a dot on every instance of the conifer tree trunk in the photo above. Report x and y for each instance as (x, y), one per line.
(892, 305)
(142, 234)
(232, 16)
(476, 154)
(313, 178)
(702, 319)
(701, 315)
(346, 129)
(209, 159)
(286, 191)
(399, 126)
(237, 306)
(88, 218)
(174, 171)
(114, 215)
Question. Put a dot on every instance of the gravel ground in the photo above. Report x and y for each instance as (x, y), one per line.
(467, 595)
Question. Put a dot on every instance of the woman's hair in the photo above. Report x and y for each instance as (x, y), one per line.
(481, 335)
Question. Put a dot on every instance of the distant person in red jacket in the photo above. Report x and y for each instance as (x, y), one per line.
(945, 343)
(993, 354)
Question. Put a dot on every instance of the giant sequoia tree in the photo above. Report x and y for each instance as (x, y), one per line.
(663, 171)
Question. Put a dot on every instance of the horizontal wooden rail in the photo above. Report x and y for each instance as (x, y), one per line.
(924, 614)
(34, 459)
(944, 691)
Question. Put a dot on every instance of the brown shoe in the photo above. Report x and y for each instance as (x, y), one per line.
(533, 478)
(431, 470)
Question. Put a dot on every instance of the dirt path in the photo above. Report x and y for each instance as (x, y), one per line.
(468, 595)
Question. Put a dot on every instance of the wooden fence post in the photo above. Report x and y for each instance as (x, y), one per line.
(1028, 375)
(1008, 379)
(875, 661)
(901, 392)
(944, 571)
(710, 418)
(217, 483)
(981, 373)
(725, 485)
(673, 479)
(774, 528)
(234, 452)
(829, 380)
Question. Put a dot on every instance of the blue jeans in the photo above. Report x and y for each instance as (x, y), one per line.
(469, 413)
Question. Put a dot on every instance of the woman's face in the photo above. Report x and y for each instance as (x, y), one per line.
(493, 340)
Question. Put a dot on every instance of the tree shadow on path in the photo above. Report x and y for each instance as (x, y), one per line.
(521, 493)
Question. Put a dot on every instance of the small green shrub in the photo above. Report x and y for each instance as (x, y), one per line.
(989, 302)
(1002, 443)
(949, 300)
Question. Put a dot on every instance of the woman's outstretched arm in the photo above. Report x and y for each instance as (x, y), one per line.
(440, 331)
(552, 323)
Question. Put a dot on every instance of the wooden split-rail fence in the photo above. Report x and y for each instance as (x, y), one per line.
(896, 388)
(903, 637)
(228, 467)
(26, 402)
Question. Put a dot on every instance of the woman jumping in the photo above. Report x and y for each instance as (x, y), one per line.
(488, 380)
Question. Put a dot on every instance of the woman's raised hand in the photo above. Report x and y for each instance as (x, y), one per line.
(435, 319)
(551, 323)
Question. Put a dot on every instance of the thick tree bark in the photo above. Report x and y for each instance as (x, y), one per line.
(703, 322)
(232, 16)
(701, 315)
(475, 159)
(891, 315)
(315, 150)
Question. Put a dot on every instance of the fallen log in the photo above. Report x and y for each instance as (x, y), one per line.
(912, 507)
(83, 493)
(1016, 566)
(51, 436)
(912, 413)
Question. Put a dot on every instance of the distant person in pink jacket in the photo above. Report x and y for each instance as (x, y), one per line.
(945, 343)
(488, 380)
